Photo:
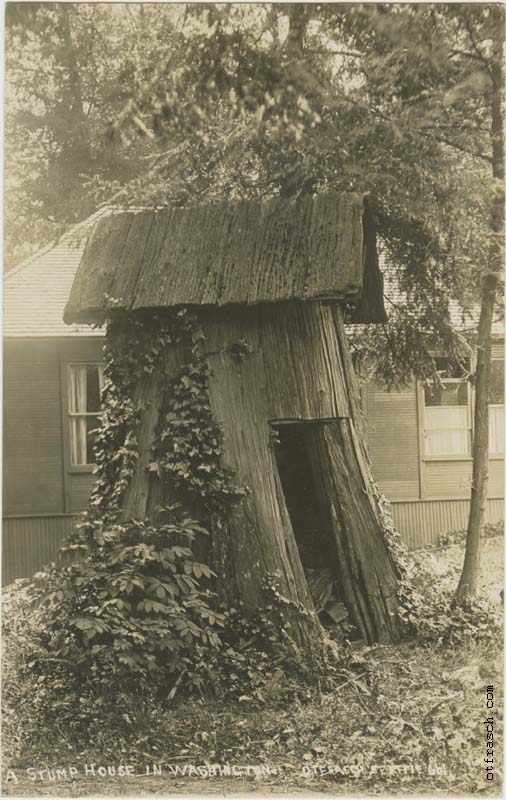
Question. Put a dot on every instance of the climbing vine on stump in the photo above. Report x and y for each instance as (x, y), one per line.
(188, 445)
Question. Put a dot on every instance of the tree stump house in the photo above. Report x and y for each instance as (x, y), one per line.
(271, 283)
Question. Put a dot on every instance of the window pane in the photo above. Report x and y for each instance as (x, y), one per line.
(446, 394)
(496, 390)
(496, 429)
(447, 431)
(78, 436)
(447, 443)
(92, 388)
(446, 418)
(84, 400)
(77, 399)
(82, 439)
(92, 423)
(451, 370)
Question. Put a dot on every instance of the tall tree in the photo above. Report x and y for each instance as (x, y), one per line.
(70, 69)
(487, 42)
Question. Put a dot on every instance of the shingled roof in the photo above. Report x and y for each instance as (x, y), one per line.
(36, 290)
(246, 252)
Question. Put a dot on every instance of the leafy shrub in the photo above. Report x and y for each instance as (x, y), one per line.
(444, 624)
(85, 670)
(489, 530)
(131, 609)
(257, 658)
(435, 619)
(133, 617)
(189, 443)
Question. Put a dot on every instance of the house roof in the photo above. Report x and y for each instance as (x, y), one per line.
(244, 252)
(464, 321)
(35, 291)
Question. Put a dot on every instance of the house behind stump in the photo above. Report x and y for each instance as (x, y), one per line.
(271, 284)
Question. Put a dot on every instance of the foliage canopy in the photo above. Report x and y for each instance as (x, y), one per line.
(156, 104)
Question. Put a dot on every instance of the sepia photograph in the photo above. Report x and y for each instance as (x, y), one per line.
(253, 399)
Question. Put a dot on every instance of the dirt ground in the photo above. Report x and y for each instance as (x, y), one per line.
(417, 732)
(162, 787)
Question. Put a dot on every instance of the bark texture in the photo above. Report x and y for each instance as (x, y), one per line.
(298, 369)
(362, 565)
(293, 366)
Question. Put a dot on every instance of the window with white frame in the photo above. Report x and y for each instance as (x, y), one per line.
(496, 407)
(447, 412)
(85, 386)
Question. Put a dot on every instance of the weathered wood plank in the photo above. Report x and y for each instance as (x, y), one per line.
(102, 255)
(246, 252)
(363, 564)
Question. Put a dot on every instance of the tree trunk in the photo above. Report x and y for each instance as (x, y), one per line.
(468, 584)
(298, 374)
(295, 372)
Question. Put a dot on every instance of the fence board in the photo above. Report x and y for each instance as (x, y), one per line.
(420, 522)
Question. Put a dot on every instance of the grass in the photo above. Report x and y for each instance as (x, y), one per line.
(409, 721)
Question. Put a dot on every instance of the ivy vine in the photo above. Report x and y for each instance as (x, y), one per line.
(188, 445)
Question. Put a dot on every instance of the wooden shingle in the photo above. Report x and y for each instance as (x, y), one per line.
(231, 253)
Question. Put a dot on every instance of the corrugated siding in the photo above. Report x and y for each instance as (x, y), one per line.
(28, 543)
(392, 432)
(420, 522)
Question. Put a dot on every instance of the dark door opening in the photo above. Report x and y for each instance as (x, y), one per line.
(310, 523)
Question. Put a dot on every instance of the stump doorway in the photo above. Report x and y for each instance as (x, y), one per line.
(309, 515)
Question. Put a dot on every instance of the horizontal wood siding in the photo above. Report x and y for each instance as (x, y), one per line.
(498, 350)
(392, 432)
(33, 458)
(420, 522)
(452, 479)
(80, 486)
(36, 485)
(30, 542)
(34, 477)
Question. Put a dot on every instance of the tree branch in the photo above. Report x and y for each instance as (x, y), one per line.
(456, 146)
(324, 52)
(440, 139)
(74, 77)
(479, 55)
